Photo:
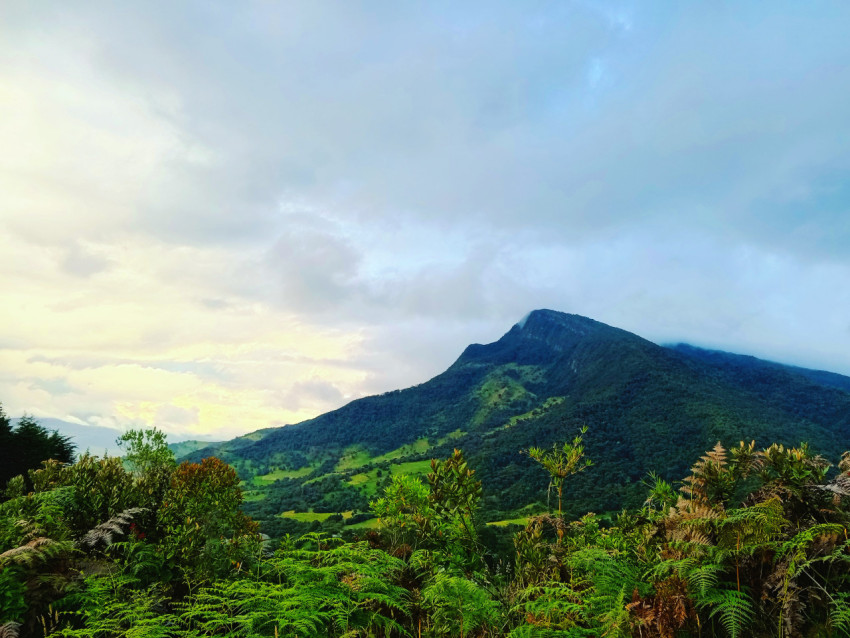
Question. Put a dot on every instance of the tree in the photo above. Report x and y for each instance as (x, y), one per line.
(25, 447)
(151, 463)
(200, 517)
(562, 462)
(5, 428)
(146, 450)
(455, 496)
(404, 513)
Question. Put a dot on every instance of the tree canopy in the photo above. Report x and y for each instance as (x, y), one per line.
(24, 446)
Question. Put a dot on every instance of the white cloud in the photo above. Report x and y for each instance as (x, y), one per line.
(223, 217)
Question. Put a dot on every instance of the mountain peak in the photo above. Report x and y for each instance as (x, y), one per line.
(550, 374)
(537, 337)
(543, 317)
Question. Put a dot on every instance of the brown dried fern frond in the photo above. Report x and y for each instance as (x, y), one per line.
(115, 527)
(706, 475)
(26, 548)
(665, 613)
(840, 485)
(844, 464)
(716, 455)
(690, 535)
(701, 511)
(38, 550)
(10, 630)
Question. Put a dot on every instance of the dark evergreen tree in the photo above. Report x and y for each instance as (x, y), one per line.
(27, 445)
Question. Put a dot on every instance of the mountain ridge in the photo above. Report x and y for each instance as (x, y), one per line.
(647, 406)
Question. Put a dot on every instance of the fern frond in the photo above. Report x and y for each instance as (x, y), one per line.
(10, 630)
(703, 579)
(107, 532)
(551, 606)
(38, 550)
(734, 608)
(839, 613)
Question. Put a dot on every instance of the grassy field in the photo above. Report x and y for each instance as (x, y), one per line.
(419, 446)
(413, 467)
(548, 403)
(273, 476)
(363, 478)
(497, 391)
(367, 482)
(309, 517)
(355, 456)
(256, 436)
(352, 458)
(452, 436)
(509, 521)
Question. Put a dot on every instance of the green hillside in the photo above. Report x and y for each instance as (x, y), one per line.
(647, 407)
(182, 448)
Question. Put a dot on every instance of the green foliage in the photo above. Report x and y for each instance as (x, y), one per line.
(791, 469)
(404, 512)
(27, 445)
(839, 614)
(454, 497)
(733, 608)
(317, 589)
(151, 463)
(99, 489)
(203, 528)
(13, 592)
(112, 608)
(562, 462)
(752, 527)
(145, 451)
(460, 606)
(660, 495)
(754, 543)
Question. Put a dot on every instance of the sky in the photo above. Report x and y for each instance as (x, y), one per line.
(217, 216)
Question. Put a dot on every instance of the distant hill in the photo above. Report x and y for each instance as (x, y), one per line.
(95, 439)
(182, 448)
(742, 365)
(646, 407)
(100, 440)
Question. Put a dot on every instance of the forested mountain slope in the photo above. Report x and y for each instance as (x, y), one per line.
(647, 407)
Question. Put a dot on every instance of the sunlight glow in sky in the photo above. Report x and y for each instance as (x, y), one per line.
(217, 217)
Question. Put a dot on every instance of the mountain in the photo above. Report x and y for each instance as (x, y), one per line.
(738, 364)
(646, 407)
(96, 439)
(100, 441)
(182, 448)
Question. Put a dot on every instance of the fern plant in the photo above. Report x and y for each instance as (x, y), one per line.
(459, 606)
(320, 588)
(111, 606)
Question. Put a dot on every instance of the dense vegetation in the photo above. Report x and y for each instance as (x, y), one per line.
(652, 408)
(343, 526)
(752, 543)
(27, 444)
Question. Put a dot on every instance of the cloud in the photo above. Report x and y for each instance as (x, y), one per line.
(313, 269)
(439, 113)
(82, 263)
(225, 217)
(314, 394)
